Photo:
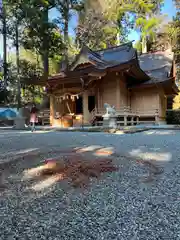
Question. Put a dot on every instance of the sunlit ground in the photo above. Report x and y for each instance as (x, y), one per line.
(37, 131)
(154, 156)
(156, 132)
(97, 150)
(48, 182)
(77, 169)
(37, 181)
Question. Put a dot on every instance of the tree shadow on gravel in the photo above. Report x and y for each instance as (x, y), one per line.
(77, 168)
(14, 163)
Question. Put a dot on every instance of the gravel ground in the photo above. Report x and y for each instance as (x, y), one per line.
(120, 205)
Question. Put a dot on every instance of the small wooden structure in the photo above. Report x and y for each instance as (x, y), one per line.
(44, 117)
(137, 86)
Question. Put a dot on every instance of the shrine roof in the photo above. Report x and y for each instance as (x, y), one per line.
(105, 58)
(157, 65)
(149, 68)
(119, 55)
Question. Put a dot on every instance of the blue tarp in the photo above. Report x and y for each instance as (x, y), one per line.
(8, 113)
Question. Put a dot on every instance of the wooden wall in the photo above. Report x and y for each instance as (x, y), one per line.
(107, 91)
(113, 90)
(124, 93)
(144, 99)
(148, 100)
(162, 104)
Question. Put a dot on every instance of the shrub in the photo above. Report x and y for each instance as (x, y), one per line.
(173, 116)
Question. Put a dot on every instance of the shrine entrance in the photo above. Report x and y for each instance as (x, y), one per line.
(79, 105)
(91, 103)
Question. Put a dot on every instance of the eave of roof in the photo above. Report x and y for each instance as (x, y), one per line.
(169, 83)
(157, 65)
(130, 67)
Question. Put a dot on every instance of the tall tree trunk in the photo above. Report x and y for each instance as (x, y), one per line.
(17, 65)
(66, 33)
(4, 46)
(144, 44)
(3, 15)
(45, 43)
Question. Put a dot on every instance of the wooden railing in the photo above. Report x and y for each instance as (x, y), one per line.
(44, 117)
(126, 111)
(129, 116)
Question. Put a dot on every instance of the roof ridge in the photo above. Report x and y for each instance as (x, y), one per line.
(96, 55)
(115, 47)
(154, 52)
(91, 51)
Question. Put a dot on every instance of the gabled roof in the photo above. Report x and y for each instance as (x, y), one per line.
(106, 58)
(97, 64)
(120, 54)
(157, 65)
(86, 55)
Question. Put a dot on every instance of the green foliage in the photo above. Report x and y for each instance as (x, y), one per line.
(66, 9)
(43, 44)
(36, 33)
(173, 30)
(33, 38)
(173, 117)
(1, 76)
(101, 19)
(138, 46)
(4, 94)
(95, 29)
(148, 26)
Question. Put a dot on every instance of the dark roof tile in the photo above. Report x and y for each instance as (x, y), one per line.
(118, 55)
(157, 65)
(109, 57)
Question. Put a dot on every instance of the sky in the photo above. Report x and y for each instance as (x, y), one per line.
(168, 9)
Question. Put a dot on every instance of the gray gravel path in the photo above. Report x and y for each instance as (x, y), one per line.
(118, 206)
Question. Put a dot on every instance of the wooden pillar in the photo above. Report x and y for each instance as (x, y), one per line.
(137, 120)
(125, 120)
(125, 116)
(118, 97)
(86, 114)
(52, 109)
(129, 98)
(157, 117)
(98, 98)
(132, 121)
